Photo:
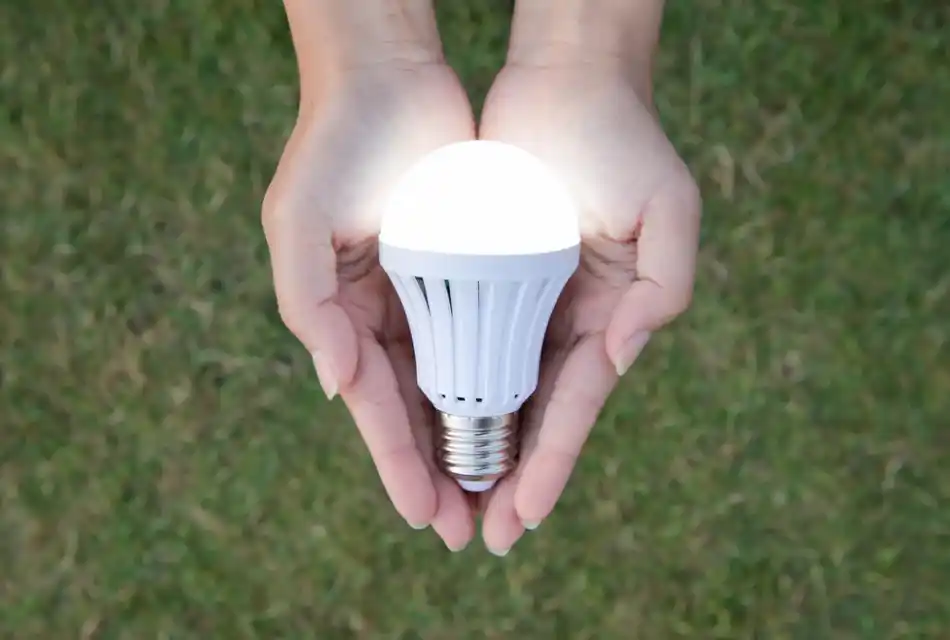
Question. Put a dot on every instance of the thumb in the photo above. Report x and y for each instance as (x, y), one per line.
(666, 267)
(304, 269)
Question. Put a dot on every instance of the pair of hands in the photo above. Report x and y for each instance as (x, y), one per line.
(640, 226)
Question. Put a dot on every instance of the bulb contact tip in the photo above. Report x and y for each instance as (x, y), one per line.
(476, 486)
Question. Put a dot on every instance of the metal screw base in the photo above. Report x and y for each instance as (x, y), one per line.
(477, 449)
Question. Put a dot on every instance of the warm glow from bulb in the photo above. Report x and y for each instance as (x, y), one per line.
(480, 198)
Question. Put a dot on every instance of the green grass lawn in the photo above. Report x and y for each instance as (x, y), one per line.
(776, 466)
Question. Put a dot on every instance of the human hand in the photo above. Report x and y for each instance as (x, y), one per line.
(359, 128)
(592, 121)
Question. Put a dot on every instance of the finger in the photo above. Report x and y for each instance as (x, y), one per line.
(304, 269)
(552, 363)
(584, 383)
(501, 527)
(453, 518)
(377, 407)
(666, 267)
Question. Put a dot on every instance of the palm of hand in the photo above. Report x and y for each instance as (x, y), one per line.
(322, 217)
(632, 189)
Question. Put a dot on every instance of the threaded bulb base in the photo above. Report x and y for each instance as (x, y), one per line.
(477, 452)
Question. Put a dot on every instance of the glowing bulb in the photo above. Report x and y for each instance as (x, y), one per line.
(479, 240)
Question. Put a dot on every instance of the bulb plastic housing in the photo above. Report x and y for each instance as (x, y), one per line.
(479, 240)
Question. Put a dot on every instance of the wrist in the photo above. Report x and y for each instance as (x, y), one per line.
(332, 38)
(617, 35)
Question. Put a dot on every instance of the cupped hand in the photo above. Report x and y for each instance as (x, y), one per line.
(321, 216)
(640, 213)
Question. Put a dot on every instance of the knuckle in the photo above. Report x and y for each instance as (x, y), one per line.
(294, 317)
(693, 196)
(680, 300)
(273, 207)
(268, 206)
(687, 191)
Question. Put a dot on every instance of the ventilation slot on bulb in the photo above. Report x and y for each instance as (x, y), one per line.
(422, 287)
(477, 343)
(461, 302)
(421, 283)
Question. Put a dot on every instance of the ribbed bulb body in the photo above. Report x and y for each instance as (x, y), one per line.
(477, 334)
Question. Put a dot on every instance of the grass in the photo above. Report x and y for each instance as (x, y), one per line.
(777, 466)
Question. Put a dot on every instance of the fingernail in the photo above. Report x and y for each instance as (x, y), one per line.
(325, 375)
(456, 549)
(631, 350)
(501, 553)
(531, 525)
(419, 527)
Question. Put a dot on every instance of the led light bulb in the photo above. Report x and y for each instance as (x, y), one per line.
(479, 240)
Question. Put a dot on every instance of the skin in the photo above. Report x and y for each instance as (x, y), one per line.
(366, 115)
(577, 92)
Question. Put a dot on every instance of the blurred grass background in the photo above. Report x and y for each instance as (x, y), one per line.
(776, 466)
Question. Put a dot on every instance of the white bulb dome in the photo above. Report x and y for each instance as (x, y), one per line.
(480, 198)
